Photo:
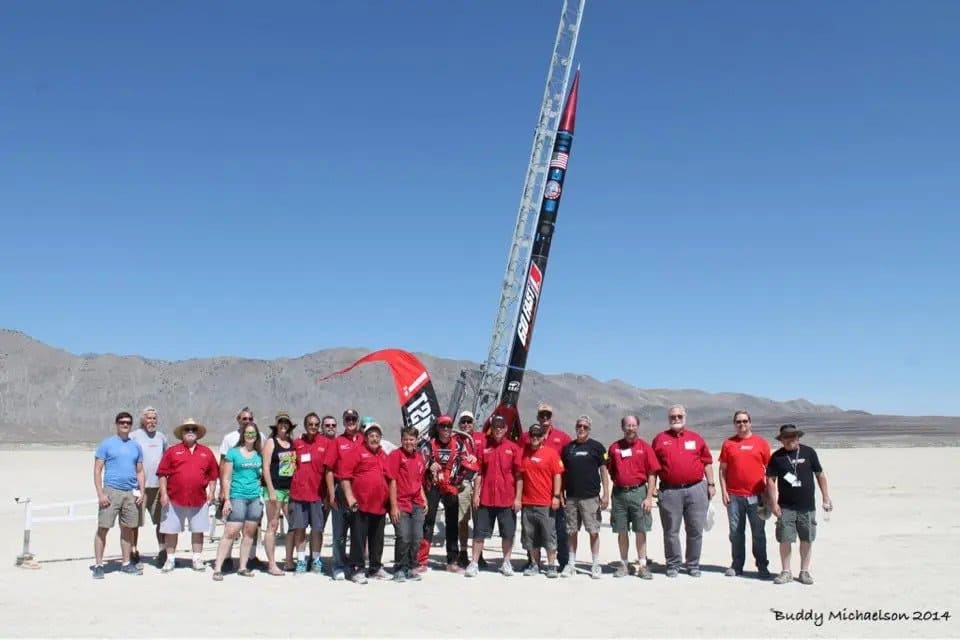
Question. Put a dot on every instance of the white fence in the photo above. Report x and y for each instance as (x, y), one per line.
(60, 512)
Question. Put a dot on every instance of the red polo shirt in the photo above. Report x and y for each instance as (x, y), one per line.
(307, 484)
(342, 446)
(409, 472)
(631, 464)
(499, 467)
(555, 438)
(682, 456)
(538, 469)
(746, 460)
(366, 471)
(188, 474)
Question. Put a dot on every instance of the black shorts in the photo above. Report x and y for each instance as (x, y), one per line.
(506, 519)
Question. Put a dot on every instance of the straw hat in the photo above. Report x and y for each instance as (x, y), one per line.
(189, 422)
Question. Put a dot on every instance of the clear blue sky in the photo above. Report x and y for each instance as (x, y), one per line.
(762, 197)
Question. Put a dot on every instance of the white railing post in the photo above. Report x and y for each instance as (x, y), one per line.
(26, 557)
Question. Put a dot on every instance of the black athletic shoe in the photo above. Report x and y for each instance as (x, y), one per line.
(482, 563)
(161, 559)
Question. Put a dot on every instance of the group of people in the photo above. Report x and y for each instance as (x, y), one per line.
(553, 483)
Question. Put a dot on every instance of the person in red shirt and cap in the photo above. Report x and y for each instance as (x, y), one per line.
(188, 475)
(343, 445)
(307, 492)
(539, 488)
(406, 474)
(444, 456)
(365, 491)
(685, 460)
(496, 491)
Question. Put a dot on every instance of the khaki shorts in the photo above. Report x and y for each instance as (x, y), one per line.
(151, 505)
(626, 510)
(792, 524)
(465, 502)
(584, 511)
(123, 504)
(539, 528)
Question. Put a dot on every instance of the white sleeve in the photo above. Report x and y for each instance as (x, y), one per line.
(225, 445)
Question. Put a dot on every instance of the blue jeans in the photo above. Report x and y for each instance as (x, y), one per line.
(738, 512)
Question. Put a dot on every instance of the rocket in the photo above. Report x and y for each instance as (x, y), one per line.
(537, 269)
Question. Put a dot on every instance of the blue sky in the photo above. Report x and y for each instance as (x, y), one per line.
(761, 198)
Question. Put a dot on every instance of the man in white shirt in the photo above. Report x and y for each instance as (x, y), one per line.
(153, 443)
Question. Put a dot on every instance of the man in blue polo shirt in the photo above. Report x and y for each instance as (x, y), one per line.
(119, 480)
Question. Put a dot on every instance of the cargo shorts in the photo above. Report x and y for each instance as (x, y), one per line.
(584, 511)
(792, 524)
(123, 504)
(626, 510)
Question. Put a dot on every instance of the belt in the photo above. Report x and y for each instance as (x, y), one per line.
(679, 486)
(630, 488)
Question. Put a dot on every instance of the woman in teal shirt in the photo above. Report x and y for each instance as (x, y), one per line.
(242, 509)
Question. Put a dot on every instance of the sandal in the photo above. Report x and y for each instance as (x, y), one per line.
(218, 576)
(246, 573)
(275, 572)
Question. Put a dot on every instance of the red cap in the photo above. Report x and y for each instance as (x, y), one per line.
(445, 419)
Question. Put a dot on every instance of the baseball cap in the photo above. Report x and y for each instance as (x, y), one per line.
(445, 419)
(367, 420)
(544, 407)
(370, 426)
(466, 414)
(535, 430)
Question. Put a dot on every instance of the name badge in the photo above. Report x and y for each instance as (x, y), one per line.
(305, 457)
(792, 479)
(626, 453)
(690, 445)
(751, 499)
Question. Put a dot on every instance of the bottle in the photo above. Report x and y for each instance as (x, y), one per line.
(826, 513)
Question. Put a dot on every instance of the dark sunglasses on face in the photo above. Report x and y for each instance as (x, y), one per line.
(742, 421)
(330, 425)
(466, 421)
(189, 429)
(125, 422)
(544, 414)
(583, 426)
(348, 420)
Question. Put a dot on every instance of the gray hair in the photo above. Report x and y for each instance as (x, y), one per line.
(146, 410)
(584, 419)
(677, 406)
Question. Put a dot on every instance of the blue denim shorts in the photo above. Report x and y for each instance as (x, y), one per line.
(245, 510)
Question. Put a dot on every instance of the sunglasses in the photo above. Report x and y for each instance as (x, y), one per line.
(466, 421)
(349, 420)
(189, 429)
(330, 425)
(249, 434)
(126, 422)
(583, 426)
(544, 414)
(444, 426)
(676, 417)
(246, 419)
(741, 422)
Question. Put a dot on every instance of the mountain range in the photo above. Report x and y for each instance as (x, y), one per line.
(50, 396)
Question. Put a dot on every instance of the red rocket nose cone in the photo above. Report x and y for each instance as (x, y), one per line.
(569, 117)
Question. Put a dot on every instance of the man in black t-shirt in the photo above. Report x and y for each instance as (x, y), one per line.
(791, 496)
(585, 466)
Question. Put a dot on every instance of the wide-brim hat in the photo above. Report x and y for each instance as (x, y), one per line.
(789, 430)
(283, 415)
(189, 422)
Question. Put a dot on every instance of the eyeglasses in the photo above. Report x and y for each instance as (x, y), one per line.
(313, 424)
(466, 421)
(544, 414)
(677, 417)
(330, 425)
(444, 426)
(741, 422)
(249, 434)
(125, 422)
(349, 419)
(582, 426)
(189, 429)
(246, 419)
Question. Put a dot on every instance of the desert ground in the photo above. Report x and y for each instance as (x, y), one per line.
(890, 546)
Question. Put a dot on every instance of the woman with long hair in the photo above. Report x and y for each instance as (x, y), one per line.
(240, 478)
(281, 458)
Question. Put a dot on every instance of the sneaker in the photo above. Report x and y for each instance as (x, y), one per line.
(358, 578)
(198, 565)
(135, 559)
(596, 571)
(672, 573)
(783, 578)
(552, 571)
(731, 573)
(764, 574)
(472, 570)
(568, 571)
(317, 566)
(131, 569)
(339, 575)
(399, 576)
(98, 572)
(694, 573)
(380, 574)
(462, 559)
(506, 568)
(413, 576)
(531, 570)
(621, 570)
(169, 565)
(453, 567)
(161, 558)
(644, 573)
(301, 567)
(806, 578)
(218, 576)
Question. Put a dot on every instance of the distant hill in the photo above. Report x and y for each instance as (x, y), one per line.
(48, 395)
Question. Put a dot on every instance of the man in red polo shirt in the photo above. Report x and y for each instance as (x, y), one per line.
(307, 491)
(343, 444)
(540, 485)
(188, 475)
(743, 464)
(555, 438)
(366, 495)
(633, 468)
(685, 461)
(496, 491)
(406, 472)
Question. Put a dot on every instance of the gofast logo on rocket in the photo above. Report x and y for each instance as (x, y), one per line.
(530, 298)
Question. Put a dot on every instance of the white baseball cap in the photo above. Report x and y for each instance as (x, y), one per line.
(465, 414)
